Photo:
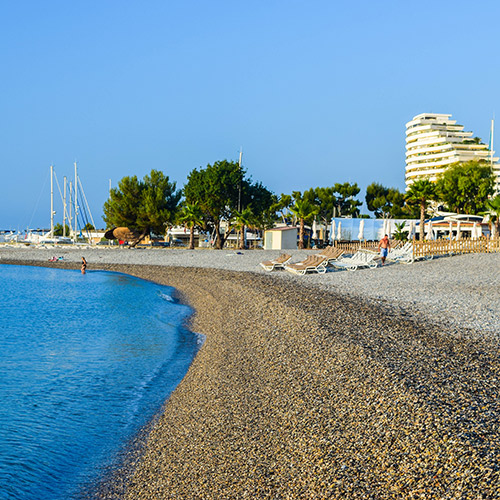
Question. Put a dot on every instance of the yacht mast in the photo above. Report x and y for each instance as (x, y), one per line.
(64, 202)
(239, 187)
(76, 203)
(52, 201)
(70, 218)
(491, 141)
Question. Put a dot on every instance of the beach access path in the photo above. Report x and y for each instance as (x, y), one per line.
(343, 385)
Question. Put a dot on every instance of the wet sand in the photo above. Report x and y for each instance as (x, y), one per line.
(300, 392)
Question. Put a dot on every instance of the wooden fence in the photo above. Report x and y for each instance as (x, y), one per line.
(430, 248)
(354, 246)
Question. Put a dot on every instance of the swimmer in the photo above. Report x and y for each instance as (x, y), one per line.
(84, 265)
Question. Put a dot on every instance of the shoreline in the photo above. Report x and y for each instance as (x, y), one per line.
(459, 292)
(300, 392)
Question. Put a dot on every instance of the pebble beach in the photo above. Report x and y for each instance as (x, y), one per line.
(376, 383)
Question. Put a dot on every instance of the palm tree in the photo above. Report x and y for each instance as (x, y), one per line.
(304, 210)
(241, 220)
(493, 210)
(190, 216)
(420, 193)
(400, 234)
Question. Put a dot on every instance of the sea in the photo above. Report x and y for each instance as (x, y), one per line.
(86, 362)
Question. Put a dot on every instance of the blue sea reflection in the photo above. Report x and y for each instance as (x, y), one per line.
(85, 362)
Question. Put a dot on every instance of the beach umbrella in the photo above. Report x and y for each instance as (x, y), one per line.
(459, 234)
(477, 231)
(361, 229)
(339, 231)
(314, 229)
(411, 231)
(429, 235)
(109, 234)
(450, 230)
(125, 234)
(332, 231)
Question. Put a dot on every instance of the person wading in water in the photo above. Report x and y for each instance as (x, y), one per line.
(84, 265)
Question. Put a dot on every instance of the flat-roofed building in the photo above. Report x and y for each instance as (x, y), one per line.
(434, 141)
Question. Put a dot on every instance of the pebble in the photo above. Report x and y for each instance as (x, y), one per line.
(311, 389)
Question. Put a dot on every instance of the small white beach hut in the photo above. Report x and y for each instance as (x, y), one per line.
(281, 238)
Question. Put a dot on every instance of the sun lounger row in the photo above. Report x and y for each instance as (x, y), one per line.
(331, 253)
(318, 263)
(359, 259)
(279, 263)
(403, 254)
(313, 263)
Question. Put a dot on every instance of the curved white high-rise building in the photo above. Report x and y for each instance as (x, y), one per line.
(434, 141)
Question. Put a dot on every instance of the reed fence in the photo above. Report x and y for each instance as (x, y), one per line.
(431, 248)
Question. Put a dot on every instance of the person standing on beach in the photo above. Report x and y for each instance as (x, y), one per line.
(384, 245)
(84, 265)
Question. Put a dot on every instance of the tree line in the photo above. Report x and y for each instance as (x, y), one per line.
(223, 191)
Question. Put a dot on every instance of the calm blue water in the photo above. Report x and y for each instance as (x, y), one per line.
(85, 362)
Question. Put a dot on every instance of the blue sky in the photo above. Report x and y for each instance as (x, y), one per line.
(314, 92)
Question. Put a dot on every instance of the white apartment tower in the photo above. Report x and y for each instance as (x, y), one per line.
(434, 141)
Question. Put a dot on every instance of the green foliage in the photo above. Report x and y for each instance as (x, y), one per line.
(281, 205)
(493, 211)
(245, 218)
(386, 202)
(216, 189)
(219, 189)
(305, 210)
(465, 187)
(58, 229)
(476, 140)
(324, 200)
(345, 202)
(376, 199)
(190, 216)
(143, 206)
(420, 193)
(400, 234)
(259, 201)
(88, 227)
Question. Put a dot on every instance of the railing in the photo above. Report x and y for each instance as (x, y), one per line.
(428, 248)
(354, 246)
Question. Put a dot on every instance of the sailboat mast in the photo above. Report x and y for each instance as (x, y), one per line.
(52, 201)
(491, 142)
(239, 187)
(70, 218)
(76, 203)
(64, 201)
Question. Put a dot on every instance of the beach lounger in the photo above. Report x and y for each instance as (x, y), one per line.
(279, 263)
(403, 254)
(331, 253)
(312, 264)
(359, 259)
